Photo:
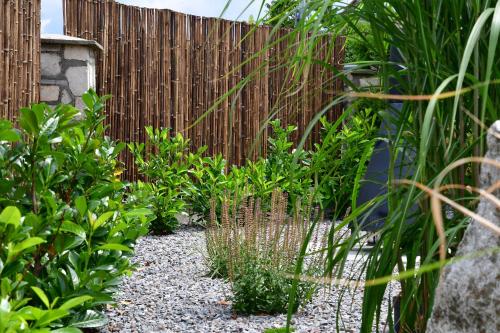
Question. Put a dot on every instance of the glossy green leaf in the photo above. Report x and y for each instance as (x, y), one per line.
(10, 215)
(102, 219)
(138, 212)
(73, 228)
(32, 313)
(9, 135)
(41, 294)
(28, 121)
(113, 246)
(88, 100)
(91, 319)
(75, 279)
(75, 302)
(49, 126)
(81, 205)
(51, 316)
(26, 244)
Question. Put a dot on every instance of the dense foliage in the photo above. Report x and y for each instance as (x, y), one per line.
(166, 162)
(66, 227)
(241, 204)
(340, 159)
(358, 34)
(210, 182)
(436, 47)
(357, 45)
(180, 181)
(285, 167)
(290, 13)
(259, 287)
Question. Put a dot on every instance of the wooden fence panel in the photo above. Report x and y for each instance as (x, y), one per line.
(167, 69)
(19, 55)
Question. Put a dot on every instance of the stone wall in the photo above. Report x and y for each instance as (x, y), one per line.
(67, 69)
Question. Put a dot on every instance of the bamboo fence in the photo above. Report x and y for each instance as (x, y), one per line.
(19, 55)
(167, 69)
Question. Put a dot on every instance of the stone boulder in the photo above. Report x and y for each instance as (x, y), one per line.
(468, 295)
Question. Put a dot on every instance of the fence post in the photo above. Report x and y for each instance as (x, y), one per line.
(19, 55)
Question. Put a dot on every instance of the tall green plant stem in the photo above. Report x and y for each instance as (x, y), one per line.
(33, 174)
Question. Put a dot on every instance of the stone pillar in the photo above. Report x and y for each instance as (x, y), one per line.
(363, 78)
(68, 69)
(468, 295)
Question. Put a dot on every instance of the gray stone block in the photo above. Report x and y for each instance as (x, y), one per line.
(49, 93)
(76, 52)
(66, 97)
(367, 82)
(50, 64)
(468, 295)
(79, 80)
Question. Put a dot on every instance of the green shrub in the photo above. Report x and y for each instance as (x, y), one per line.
(279, 156)
(285, 167)
(66, 229)
(341, 157)
(359, 48)
(166, 162)
(209, 183)
(329, 171)
(256, 247)
(260, 183)
(17, 310)
(282, 169)
(259, 287)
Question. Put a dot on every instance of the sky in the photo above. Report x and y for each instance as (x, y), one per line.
(52, 16)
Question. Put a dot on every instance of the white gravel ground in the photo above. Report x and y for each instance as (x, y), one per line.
(171, 292)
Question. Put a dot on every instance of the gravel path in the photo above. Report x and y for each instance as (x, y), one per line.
(170, 292)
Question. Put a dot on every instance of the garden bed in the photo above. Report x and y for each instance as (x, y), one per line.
(171, 292)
